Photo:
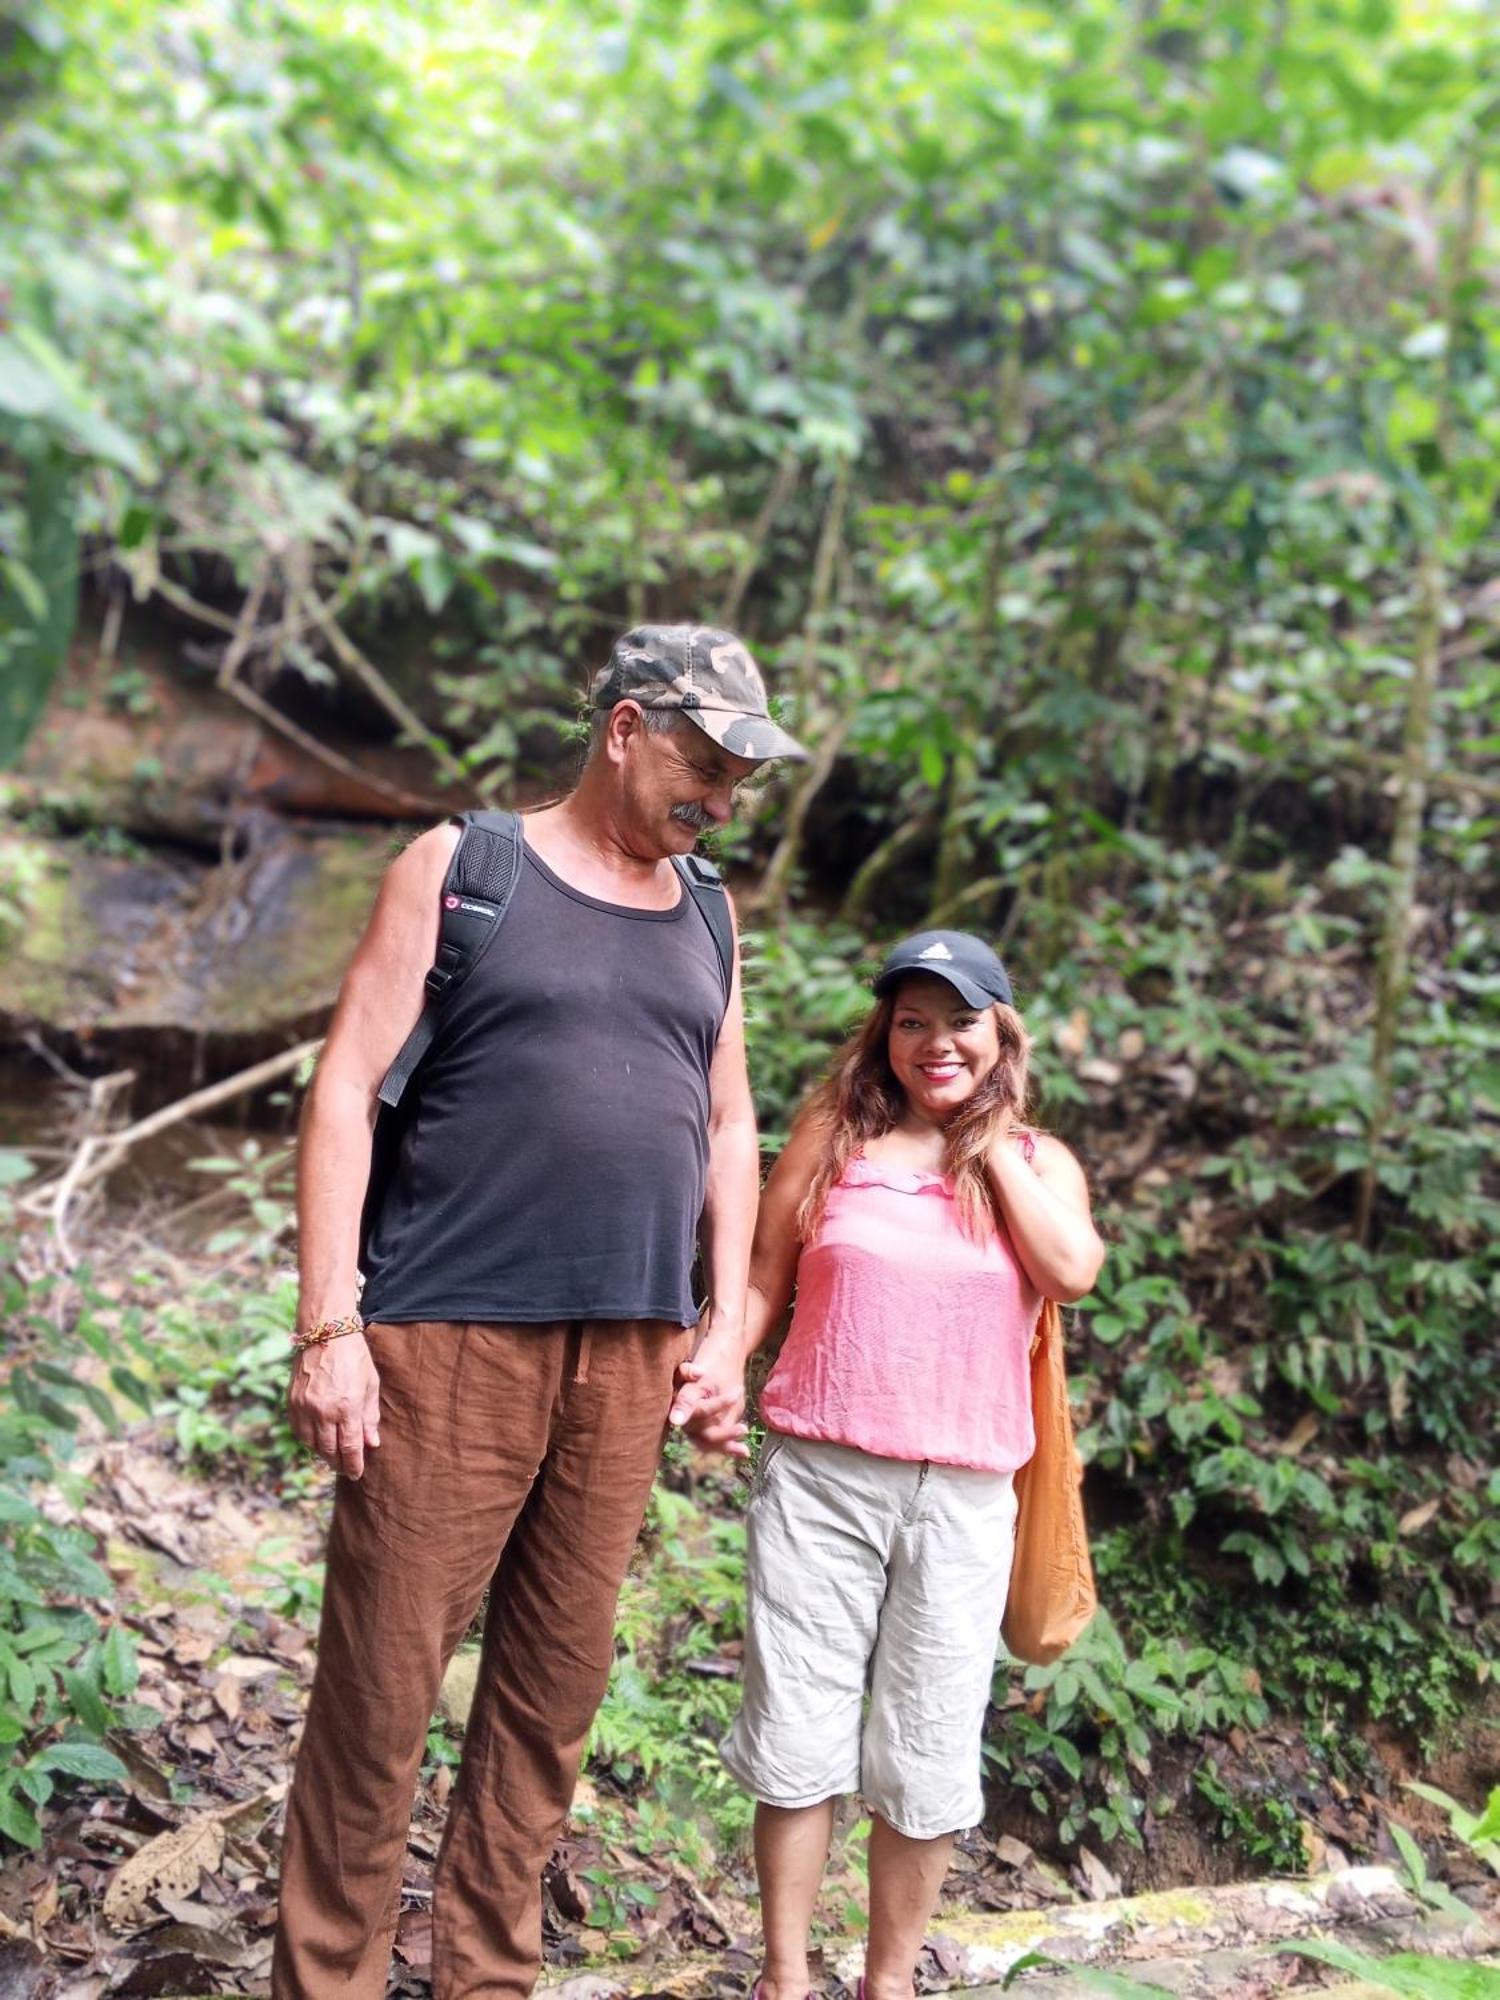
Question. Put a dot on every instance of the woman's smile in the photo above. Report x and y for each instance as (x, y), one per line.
(940, 1048)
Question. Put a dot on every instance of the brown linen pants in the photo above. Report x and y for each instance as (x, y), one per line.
(518, 1457)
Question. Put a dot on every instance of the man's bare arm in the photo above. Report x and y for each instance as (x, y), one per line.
(334, 1394)
(710, 1398)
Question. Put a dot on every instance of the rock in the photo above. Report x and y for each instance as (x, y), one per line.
(457, 1695)
(113, 949)
(186, 763)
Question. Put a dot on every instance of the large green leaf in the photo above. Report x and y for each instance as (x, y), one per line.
(33, 649)
(82, 1760)
(38, 384)
(1410, 1975)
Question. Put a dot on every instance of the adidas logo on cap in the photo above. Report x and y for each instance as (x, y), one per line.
(938, 950)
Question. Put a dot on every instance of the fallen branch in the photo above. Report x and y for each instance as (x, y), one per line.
(101, 1090)
(379, 688)
(100, 1153)
(245, 639)
(274, 719)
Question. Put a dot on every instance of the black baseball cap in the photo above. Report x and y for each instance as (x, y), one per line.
(965, 961)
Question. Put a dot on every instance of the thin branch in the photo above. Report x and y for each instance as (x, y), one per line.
(879, 863)
(60, 1192)
(782, 486)
(290, 627)
(379, 688)
(100, 1154)
(274, 719)
(814, 775)
(244, 640)
(776, 882)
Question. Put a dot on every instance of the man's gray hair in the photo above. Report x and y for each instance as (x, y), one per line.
(658, 721)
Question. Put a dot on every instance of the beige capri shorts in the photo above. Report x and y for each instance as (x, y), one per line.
(876, 1576)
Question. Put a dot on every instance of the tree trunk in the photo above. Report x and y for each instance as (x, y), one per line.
(955, 847)
(1416, 751)
(1395, 946)
(776, 885)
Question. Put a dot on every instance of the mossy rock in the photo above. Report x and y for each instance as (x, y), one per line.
(101, 943)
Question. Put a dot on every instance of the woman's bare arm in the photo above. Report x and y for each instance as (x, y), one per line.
(773, 1256)
(1045, 1203)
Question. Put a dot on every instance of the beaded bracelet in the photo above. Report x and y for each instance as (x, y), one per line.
(328, 1329)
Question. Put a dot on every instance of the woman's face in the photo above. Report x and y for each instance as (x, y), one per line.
(941, 1049)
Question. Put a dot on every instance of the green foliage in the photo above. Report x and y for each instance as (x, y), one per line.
(38, 591)
(1093, 1978)
(670, 1696)
(1086, 1755)
(67, 1667)
(1410, 1974)
(1479, 1832)
(1419, 1880)
(1143, 358)
(1264, 1827)
(223, 1359)
(802, 995)
(221, 1354)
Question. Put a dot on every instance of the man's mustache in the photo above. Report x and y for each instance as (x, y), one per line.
(691, 814)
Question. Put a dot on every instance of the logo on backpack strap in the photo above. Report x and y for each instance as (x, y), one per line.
(469, 907)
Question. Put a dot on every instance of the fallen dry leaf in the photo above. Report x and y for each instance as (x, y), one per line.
(173, 1862)
(22, 1970)
(1097, 1882)
(147, 1779)
(1099, 1069)
(413, 1944)
(248, 1666)
(1300, 1435)
(1416, 1518)
(44, 1905)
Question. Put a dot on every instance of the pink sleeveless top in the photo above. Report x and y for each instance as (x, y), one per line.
(910, 1339)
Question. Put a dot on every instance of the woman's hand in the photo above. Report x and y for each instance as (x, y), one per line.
(709, 1403)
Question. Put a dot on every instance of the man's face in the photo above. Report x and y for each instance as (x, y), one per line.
(681, 783)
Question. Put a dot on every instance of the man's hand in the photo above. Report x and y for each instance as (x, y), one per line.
(709, 1403)
(335, 1402)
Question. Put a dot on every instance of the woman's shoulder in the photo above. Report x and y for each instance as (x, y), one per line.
(1048, 1154)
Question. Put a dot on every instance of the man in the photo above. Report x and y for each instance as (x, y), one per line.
(498, 1419)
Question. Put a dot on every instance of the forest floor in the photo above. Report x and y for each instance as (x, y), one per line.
(166, 1885)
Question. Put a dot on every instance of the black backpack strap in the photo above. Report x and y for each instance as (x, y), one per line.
(477, 889)
(706, 887)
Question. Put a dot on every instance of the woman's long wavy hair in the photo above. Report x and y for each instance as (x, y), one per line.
(861, 1100)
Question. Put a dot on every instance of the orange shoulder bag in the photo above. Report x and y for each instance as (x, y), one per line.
(1052, 1594)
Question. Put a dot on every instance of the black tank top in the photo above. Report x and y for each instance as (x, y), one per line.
(555, 1164)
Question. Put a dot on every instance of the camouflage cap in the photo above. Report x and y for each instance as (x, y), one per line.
(708, 674)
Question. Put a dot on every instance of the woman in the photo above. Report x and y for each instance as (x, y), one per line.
(923, 1223)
